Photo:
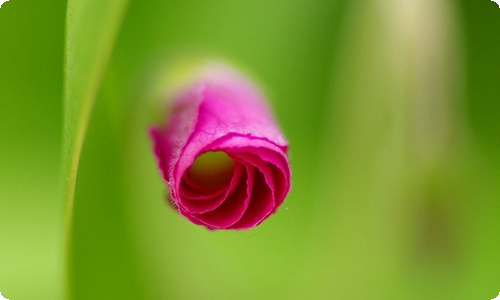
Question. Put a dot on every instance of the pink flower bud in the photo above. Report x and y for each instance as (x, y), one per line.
(222, 154)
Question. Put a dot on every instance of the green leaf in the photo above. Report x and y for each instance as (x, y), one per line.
(92, 27)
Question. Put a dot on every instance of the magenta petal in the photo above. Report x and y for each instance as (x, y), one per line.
(224, 112)
(273, 168)
(192, 192)
(261, 205)
(234, 206)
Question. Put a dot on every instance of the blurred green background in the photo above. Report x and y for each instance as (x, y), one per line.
(392, 110)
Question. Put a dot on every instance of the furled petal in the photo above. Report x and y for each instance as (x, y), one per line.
(223, 112)
(200, 204)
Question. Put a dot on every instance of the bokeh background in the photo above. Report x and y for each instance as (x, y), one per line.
(391, 107)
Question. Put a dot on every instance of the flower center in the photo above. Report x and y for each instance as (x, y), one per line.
(211, 170)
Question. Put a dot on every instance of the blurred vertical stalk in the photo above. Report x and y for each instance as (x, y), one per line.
(389, 196)
(92, 28)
